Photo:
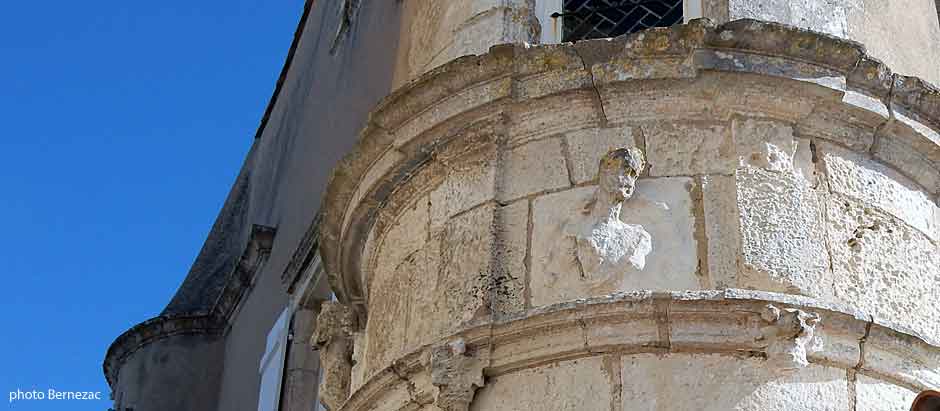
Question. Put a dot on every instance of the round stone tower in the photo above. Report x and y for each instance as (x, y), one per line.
(703, 217)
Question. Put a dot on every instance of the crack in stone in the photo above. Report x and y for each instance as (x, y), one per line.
(597, 92)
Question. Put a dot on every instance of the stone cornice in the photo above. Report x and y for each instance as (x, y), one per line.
(212, 323)
(417, 123)
(725, 322)
(153, 330)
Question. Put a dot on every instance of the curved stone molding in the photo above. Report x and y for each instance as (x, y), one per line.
(789, 336)
(153, 330)
(731, 323)
(776, 159)
(824, 89)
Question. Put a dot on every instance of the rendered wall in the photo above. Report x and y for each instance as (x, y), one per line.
(151, 379)
(290, 163)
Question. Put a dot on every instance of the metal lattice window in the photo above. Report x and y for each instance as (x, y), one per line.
(588, 19)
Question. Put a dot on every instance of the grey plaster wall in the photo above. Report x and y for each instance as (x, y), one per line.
(905, 34)
(176, 373)
(322, 106)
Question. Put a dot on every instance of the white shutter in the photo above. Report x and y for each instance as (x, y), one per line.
(272, 364)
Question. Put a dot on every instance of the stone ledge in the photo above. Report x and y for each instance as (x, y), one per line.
(156, 329)
(820, 71)
(702, 322)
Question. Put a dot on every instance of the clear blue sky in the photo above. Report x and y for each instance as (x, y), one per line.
(124, 124)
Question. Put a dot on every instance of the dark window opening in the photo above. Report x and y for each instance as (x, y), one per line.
(590, 19)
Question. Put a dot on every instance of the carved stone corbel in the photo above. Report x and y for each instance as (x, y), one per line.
(334, 339)
(788, 336)
(457, 372)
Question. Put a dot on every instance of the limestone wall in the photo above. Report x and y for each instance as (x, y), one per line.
(809, 171)
(434, 32)
(905, 34)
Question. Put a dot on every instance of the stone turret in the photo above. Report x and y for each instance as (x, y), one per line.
(504, 246)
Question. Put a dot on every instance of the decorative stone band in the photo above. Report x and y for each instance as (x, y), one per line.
(734, 323)
(156, 329)
(824, 87)
(213, 323)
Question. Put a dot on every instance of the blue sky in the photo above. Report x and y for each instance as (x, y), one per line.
(124, 125)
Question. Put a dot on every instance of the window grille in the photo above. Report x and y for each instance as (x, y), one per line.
(588, 19)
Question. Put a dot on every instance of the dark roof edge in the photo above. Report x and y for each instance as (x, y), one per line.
(298, 33)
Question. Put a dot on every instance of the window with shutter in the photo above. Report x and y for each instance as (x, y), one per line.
(272, 364)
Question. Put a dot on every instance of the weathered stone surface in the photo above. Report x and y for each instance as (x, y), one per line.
(407, 234)
(455, 285)
(457, 372)
(550, 388)
(782, 238)
(905, 358)
(769, 145)
(662, 206)
(469, 183)
(532, 168)
(683, 149)
(877, 395)
(553, 115)
(722, 231)
(883, 266)
(913, 165)
(333, 338)
(509, 277)
(465, 100)
(712, 382)
(587, 146)
(789, 334)
(863, 179)
(853, 128)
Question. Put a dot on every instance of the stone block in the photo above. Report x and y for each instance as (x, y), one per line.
(770, 145)
(462, 101)
(663, 206)
(656, 100)
(582, 384)
(883, 266)
(469, 183)
(454, 288)
(782, 237)
(509, 279)
(875, 184)
(851, 127)
(684, 149)
(553, 115)
(716, 383)
(532, 168)
(913, 164)
(877, 395)
(587, 146)
(722, 231)
(405, 236)
(905, 358)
